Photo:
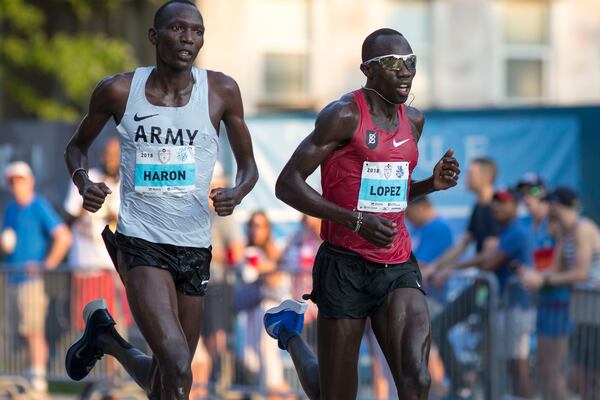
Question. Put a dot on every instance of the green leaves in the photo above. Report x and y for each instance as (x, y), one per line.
(52, 76)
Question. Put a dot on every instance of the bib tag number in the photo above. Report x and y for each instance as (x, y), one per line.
(383, 187)
(165, 169)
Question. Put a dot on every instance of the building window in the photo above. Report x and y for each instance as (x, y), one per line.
(524, 78)
(525, 32)
(285, 74)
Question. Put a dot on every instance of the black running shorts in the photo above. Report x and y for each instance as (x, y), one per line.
(345, 285)
(189, 266)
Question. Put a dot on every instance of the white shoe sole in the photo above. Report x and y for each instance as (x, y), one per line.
(299, 307)
(89, 309)
(92, 307)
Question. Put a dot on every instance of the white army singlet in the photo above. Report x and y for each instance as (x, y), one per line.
(167, 159)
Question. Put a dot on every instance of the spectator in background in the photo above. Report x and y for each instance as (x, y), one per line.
(227, 251)
(33, 239)
(297, 260)
(483, 228)
(552, 321)
(94, 275)
(261, 356)
(532, 190)
(514, 249)
(431, 237)
(483, 232)
(260, 239)
(576, 260)
(430, 234)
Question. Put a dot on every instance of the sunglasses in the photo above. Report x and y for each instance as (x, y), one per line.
(394, 62)
(534, 191)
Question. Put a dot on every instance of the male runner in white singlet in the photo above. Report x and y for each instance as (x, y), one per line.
(168, 119)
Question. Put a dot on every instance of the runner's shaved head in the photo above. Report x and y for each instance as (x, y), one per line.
(161, 13)
(378, 43)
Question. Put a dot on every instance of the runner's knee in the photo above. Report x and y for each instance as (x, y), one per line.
(415, 380)
(175, 366)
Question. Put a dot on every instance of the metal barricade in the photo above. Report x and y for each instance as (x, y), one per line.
(561, 333)
(464, 338)
(585, 340)
(41, 313)
(251, 365)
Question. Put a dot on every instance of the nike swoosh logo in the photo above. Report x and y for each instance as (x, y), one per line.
(418, 284)
(78, 354)
(398, 144)
(271, 327)
(136, 118)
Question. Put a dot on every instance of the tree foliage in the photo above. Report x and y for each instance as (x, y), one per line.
(50, 76)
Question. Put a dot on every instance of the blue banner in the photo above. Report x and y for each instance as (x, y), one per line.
(546, 145)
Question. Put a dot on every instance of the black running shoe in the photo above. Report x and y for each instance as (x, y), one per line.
(83, 354)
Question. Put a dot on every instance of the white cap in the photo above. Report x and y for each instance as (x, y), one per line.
(18, 168)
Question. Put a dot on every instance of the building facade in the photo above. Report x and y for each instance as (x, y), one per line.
(302, 54)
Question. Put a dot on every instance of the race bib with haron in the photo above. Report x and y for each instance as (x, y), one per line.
(165, 169)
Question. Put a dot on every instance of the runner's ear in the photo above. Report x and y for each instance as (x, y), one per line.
(153, 36)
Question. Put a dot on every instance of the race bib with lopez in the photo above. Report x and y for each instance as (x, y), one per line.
(383, 187)
(165, 169)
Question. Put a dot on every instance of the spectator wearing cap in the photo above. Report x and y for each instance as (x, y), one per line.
(514, 248)
(576, 260)
(552, 320)
(532, 191)
(33, 239)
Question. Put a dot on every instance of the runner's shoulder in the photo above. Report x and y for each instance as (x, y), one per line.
(340, 117)
(417, 121)
(221, 83)
(114, 88)
(415, 116)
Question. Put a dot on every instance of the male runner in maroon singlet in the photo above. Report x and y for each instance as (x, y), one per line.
(366, 145)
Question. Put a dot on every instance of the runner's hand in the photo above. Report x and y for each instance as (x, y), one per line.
(224, 200)
(94, 195)
(446, 171)
(377, 230)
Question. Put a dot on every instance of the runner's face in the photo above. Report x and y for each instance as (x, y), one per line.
(179, 37)
(394, 85)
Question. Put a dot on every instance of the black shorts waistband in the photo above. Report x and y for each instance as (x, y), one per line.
(343, 252)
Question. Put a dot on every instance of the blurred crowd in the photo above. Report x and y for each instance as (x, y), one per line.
(530, 237)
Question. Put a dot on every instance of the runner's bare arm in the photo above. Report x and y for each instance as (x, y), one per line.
(108, 99)
(334, 127)
(446, 171)
(225, 200)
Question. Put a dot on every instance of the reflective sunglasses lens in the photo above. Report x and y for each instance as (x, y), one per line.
(391, 62)
(395, 63)
(411, 62)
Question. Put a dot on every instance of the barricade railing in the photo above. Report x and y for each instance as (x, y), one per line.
(463, 335)
(558, 334)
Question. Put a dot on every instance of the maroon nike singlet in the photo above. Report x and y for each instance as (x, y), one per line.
(371, 174)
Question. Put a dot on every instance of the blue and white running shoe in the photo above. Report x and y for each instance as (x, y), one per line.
(288, 316)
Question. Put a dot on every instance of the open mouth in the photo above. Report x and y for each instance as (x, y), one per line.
(404, 89)
(184, 54)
